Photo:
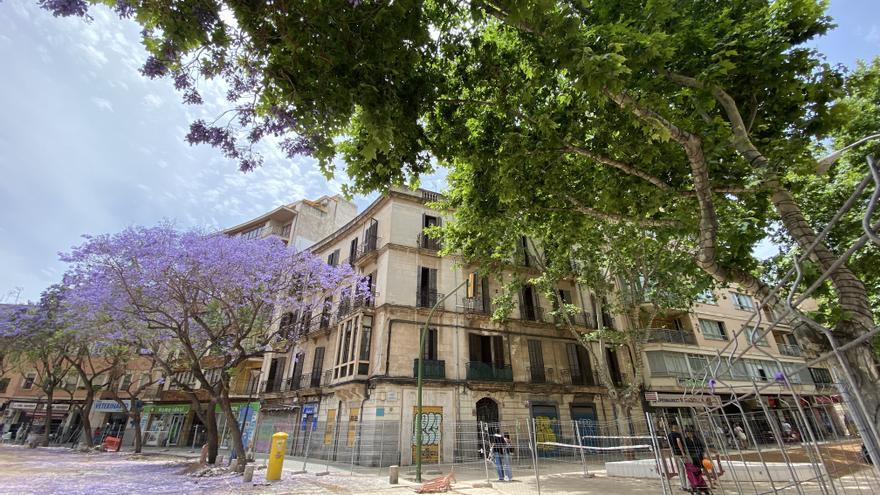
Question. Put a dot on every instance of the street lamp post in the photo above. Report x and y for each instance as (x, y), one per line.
(419, 375)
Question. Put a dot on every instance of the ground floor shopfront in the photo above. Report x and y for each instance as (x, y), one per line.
(178, 425)
(376, 423)
(21, 418)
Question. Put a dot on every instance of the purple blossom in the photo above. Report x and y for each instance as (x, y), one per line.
(779, 376)
(154, 68)
(65, 8)
(299, 145)
(192, 97)
(712, 384)
(124, 8)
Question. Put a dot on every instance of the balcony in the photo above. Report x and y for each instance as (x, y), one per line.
(578, 377)
(488, 372)
(433, 369)
(473, 305)
(426, 242)
(369, 245)
(790, 350)
(430, 196)
(531, 313)
(826, 388)
(305, 381)
(537, 374)
(427, 299)
(671, 336)
(582, 319)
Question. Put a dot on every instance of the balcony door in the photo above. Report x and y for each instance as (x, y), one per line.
(486, 349)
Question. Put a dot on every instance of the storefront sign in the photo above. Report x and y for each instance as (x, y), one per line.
(308, 409)
(111, 406)
(678, 400)
(166, 408)
(23, 406)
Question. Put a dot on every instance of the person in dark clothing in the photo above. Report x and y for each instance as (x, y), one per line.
(676, 443)
(501, 450)
(695, 448)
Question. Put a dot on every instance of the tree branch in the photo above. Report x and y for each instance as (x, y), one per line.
(623, 167)
(615, 218)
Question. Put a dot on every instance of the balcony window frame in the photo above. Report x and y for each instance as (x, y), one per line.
(712, 336)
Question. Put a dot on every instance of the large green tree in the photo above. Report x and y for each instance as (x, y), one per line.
(685, 117)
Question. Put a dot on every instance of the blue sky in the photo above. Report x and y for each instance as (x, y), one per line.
(88, 145)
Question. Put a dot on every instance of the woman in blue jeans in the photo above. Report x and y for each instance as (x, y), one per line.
(501, 451)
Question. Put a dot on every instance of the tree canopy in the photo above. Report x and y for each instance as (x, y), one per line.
(693, 119)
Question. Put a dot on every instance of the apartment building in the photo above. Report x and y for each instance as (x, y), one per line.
(356, 360)
(299, 224)
(681, 349)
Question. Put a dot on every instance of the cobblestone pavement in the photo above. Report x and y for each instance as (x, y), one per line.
(58, 470)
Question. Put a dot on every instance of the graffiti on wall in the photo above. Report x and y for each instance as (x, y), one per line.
(432, 432)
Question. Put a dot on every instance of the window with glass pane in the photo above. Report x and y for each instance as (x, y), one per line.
(742, 301)
(707, 297)
(698, 365)
(756, 337)
(713, 329)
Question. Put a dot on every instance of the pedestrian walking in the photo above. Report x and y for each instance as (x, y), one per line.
(741, 438)
(501, 452)
(676, 444)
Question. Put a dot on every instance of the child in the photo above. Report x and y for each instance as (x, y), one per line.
(709, 469)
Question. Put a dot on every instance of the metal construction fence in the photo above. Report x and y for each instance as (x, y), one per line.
(534, 455)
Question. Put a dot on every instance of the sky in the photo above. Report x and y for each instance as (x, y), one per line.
(89, 146)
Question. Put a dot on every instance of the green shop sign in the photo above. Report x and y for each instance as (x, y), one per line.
(166, 409)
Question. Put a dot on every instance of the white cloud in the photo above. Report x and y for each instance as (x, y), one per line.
(102, 103)
(162, 164)
(153, 101)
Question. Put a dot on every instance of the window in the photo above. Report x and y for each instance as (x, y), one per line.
(70, 381)
(125, 381)
(821, 375)
(4, 384)
(28, 381)
(426, 242)
(426, 287)
(523, 249)
(742, 301)
(528, 306)
(707, 297)
(253, 233)
(756, 337)
(366, 337)
(713, 330)
(352, 251)
(431, 345)
(579, 364)
(536, 361)
(333, 259)
(317, 367)
(487, 349)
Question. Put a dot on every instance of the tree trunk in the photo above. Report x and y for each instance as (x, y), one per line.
(84, 414)
(211, 433)
(48, 427)
(138, 434)
(234, 432)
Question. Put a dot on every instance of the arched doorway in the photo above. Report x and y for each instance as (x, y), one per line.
(487, 422)
(487, 411)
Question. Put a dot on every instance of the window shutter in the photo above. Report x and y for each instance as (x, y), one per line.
(487, 297)
(419, 296)
(498, 350)
(473, 347)
(432, 281)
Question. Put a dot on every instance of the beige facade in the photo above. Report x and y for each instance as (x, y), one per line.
(358, 362)
(299, 224)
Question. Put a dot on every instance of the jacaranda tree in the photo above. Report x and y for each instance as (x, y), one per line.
(212, 298)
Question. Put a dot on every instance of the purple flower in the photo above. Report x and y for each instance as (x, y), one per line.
(712, 384)
(65, 8)
(124, 8)
(154, 68)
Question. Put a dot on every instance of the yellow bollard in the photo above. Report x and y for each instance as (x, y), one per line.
(276, 456)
